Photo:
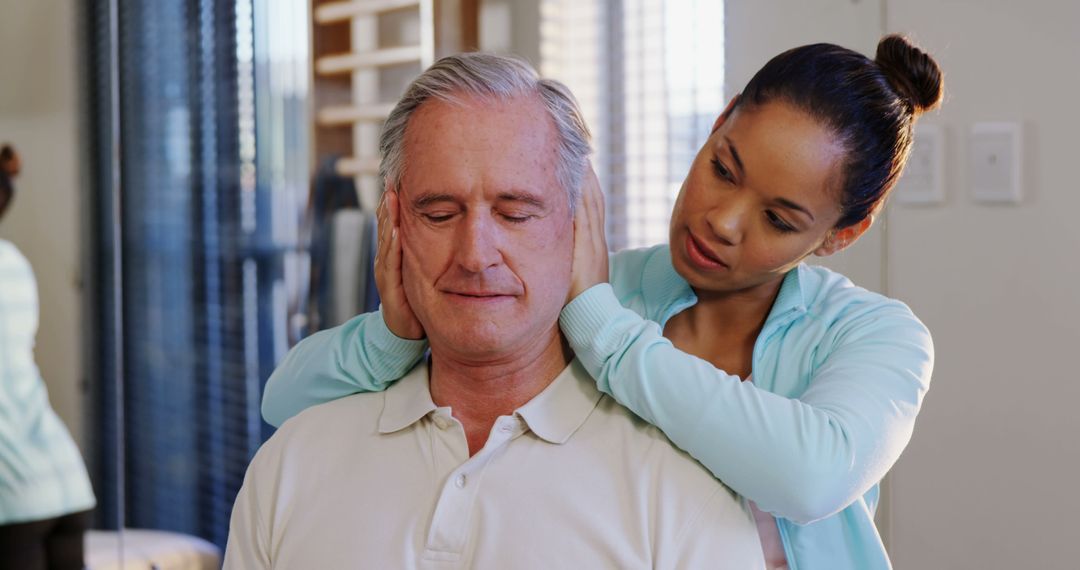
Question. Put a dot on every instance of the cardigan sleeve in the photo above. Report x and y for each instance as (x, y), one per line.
(801, 459)
(361, 355)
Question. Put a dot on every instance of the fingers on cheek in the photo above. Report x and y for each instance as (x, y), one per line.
(406, 249)
(394, 208)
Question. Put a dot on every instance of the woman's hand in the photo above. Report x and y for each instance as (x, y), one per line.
(398, 315)
(590, 244)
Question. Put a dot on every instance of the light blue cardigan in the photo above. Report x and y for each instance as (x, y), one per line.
(839, 376)
(42, 474)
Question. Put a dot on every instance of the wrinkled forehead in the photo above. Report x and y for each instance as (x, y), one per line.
(497, 145)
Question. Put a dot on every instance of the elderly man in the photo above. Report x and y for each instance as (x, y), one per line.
(498, 452)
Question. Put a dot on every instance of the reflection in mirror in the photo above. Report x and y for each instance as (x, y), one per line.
(46, 498)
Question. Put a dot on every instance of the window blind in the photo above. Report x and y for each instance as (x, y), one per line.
(211, 205)
(649, 76)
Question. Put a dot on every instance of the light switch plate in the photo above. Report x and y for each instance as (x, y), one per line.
(995, 166)
(923, 181)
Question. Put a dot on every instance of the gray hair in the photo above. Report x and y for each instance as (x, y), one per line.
(488, 76)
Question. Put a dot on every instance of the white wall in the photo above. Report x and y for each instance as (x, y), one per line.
(511, 26)
(39, 115)
(989, 480)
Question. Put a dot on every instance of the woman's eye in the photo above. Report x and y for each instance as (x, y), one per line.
(778, 223)
(721, 170)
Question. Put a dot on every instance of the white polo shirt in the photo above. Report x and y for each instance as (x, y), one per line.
(571, 480)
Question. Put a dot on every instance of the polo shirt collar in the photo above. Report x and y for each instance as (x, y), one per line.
(791, 295)
(407, 401)
(553, 415)
(557, 412)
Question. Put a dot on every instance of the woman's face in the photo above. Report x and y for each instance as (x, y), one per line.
(761, 195)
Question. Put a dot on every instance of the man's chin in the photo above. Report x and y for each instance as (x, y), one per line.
(475, 345)
(478, 342)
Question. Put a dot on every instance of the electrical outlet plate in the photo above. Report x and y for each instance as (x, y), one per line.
(995, 167)
(923, 181)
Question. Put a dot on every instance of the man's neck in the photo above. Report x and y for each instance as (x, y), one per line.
(479, 391)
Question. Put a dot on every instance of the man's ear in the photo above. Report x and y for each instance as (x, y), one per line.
(727, 113)
(838, 240)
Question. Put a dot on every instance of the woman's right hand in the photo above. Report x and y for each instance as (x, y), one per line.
(590, 242)
(396, 311)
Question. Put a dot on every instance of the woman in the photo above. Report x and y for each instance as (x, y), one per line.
(45, 494)
(794, 387)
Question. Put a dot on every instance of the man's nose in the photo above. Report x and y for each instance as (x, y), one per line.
(728, 219)
(478, 243)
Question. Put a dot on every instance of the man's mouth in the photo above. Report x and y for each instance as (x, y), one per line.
(479, 295)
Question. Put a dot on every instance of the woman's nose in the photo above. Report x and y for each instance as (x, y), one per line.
(727, 221)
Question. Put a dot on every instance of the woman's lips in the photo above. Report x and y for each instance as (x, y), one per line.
(701, 256)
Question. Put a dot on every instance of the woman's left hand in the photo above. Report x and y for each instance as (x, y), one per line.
(590, 244)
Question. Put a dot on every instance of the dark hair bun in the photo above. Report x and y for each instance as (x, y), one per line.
(912, 73)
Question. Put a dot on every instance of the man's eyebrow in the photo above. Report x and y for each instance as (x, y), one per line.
(735, 155)
(793, 206)
(524, 197)
(428, 199)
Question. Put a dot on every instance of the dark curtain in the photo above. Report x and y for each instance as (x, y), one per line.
(194, 324)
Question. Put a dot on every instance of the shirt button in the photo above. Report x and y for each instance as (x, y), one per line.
(507, 428)
(460, 481)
